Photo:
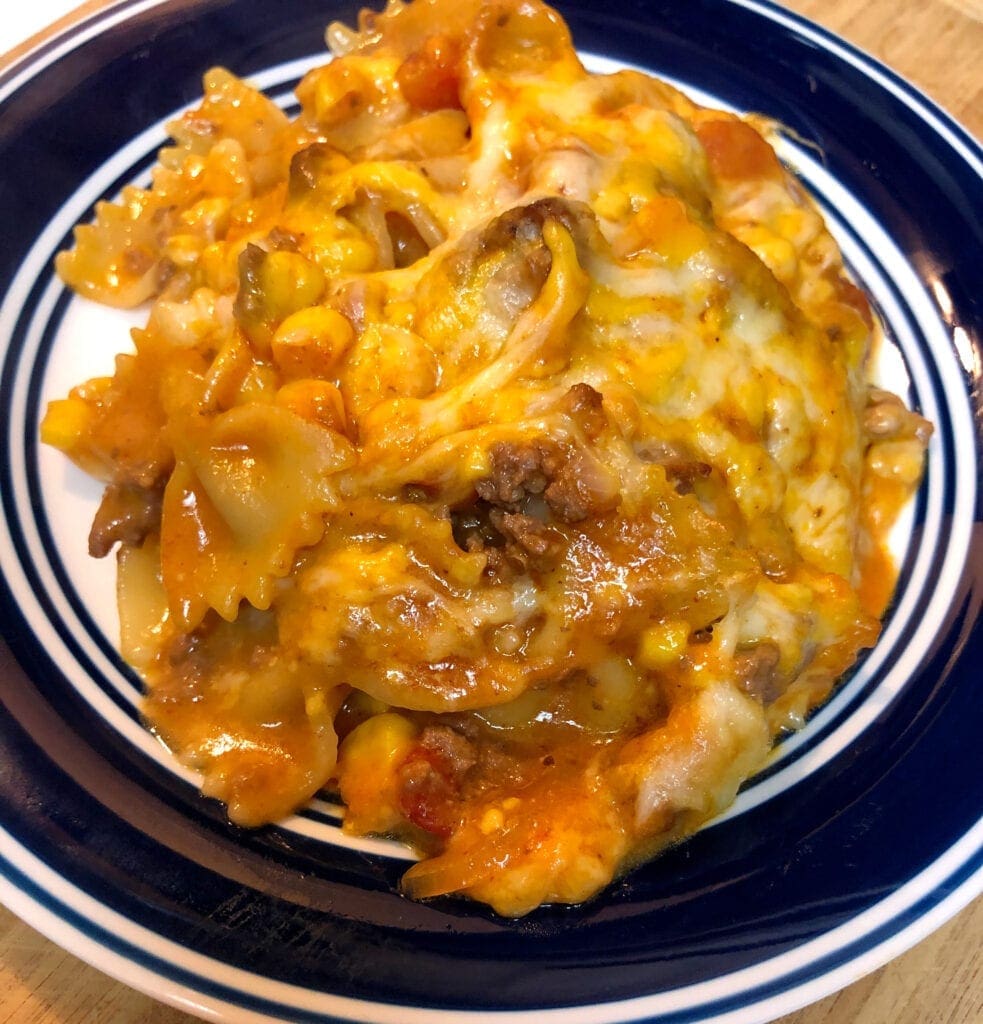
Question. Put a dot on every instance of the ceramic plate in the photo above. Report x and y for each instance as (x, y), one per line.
(864, 833)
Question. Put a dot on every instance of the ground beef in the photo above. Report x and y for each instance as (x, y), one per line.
(528, 533)
(757, 671)
(517, 471)
(453, 751)
(524, 224)
(309, 166)
(586, 406)
(581, 489)
(284, 240)
(126, 514)
(572, 481)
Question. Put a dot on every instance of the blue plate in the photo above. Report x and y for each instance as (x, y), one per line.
(864, 833)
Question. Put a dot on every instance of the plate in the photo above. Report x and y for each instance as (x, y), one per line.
(864, 833)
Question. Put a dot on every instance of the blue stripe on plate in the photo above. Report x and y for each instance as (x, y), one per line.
(246, 999)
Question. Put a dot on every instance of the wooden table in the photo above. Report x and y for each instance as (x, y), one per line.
(938, 45)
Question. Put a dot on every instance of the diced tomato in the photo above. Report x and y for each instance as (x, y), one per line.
(427, 796)
(736, 151)
(429, 77)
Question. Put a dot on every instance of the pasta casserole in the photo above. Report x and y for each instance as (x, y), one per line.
(499, 450)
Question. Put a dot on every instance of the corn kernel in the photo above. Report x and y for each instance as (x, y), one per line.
(341, 91)
(290, 282)
(387, 363)
(310, 342)
(663, 644)
(218, 265)
(351, 254)
(64, 423)
(466, 571)
(379, 741)
(491, 821)
(368, 762)
(316, 400)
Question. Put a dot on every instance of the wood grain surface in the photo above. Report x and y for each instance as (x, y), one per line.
(938, 45)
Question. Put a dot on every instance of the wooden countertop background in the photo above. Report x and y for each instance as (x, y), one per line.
(938, 45)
